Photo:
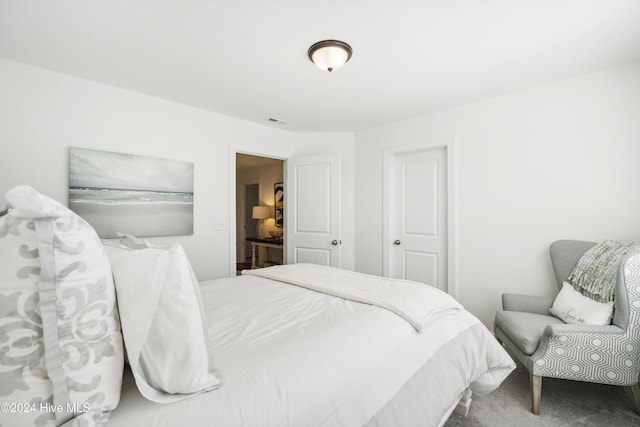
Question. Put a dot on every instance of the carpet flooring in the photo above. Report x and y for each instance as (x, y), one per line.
(564, 403)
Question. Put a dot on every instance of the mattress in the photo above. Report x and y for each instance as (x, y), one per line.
(289, 356)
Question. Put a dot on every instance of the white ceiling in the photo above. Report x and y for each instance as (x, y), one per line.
(248, 59)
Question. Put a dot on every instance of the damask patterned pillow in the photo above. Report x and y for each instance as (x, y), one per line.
(23, 378)
(80, 330)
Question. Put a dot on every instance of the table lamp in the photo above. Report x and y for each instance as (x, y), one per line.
(260, 213)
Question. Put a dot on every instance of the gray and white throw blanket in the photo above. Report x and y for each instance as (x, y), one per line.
(595, 273)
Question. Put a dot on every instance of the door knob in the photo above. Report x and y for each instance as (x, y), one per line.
(334, 242)
(396, 242)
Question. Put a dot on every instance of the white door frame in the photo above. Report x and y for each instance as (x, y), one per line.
(448, 143)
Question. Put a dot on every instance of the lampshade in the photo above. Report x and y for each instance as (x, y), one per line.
(329, 55)
(261, 212)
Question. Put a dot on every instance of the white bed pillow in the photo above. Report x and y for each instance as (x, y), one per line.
(59, 329)
(163, 323)
(572, 307)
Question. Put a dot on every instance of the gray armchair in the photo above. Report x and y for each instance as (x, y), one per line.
(548, 347)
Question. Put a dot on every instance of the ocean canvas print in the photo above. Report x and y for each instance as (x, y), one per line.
(124, 193)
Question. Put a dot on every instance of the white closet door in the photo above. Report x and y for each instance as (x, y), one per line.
(418, 217)
(312, 209)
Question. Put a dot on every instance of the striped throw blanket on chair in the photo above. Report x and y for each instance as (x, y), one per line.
(595, 273)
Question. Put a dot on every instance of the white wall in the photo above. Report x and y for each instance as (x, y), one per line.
(43, 113)
(555, 162)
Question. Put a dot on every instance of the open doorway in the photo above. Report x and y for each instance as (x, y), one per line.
(251, 198)
(259, 219)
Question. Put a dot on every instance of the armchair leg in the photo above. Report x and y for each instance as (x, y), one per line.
(633, 391)
(536, 391)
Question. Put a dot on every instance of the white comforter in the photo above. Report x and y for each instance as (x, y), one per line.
(418, 304)
(287, 356)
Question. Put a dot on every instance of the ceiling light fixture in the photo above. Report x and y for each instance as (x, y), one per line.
(329, 55)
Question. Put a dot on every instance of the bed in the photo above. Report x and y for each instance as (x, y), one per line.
(288, 356)
(279, 350)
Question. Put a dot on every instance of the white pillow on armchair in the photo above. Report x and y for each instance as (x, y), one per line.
(572, 307)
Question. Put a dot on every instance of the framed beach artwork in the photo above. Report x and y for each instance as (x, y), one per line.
(124, 193)
(278, 197)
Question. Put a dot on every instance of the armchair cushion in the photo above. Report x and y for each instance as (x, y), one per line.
(524, 329)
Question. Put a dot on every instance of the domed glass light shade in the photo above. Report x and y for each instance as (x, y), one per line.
(329, 55)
